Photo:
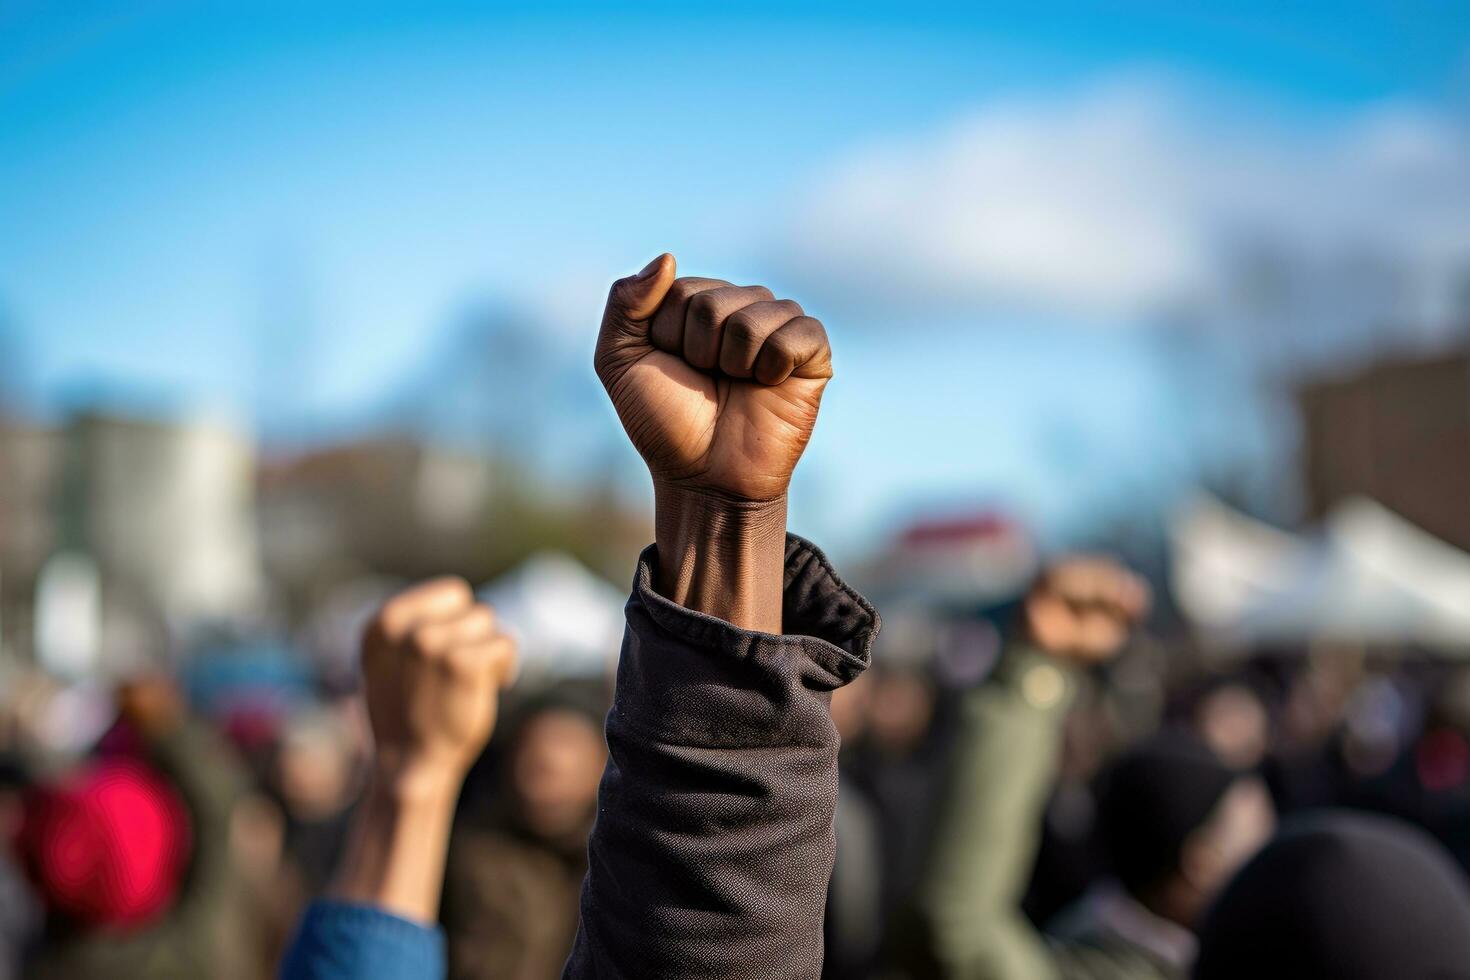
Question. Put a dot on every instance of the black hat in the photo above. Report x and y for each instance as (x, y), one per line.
(1341, 895)
(1157, 794)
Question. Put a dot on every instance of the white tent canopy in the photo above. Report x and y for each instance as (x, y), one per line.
(568, 621)
(1366, 576)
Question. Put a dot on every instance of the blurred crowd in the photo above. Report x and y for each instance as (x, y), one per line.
(225, 815)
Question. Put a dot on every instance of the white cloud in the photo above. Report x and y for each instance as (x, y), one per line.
(1134, 198)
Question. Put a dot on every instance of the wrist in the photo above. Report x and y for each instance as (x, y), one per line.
(404, 782)
(399, 839)
(721, 555)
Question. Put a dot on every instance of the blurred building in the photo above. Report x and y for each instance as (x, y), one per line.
(167, 510)
(30, 475)
(966, 559)
(1398, 432)
(390, 505)
(163, 511)
(344, 525)
(402, 507)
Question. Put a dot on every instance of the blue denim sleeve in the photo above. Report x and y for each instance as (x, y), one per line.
(342, 941)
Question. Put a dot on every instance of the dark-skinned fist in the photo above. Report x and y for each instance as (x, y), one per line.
(717, 385)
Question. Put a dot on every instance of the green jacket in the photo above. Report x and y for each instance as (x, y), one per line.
(969, 924)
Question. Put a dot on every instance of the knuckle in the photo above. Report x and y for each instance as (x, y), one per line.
(683, 288)
(461, 664)
(740, 328)
(423, 641)
(480, 619)
(454, 586)
(702, 308)
(390, 614)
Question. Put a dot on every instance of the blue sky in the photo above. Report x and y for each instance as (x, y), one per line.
(280, 213)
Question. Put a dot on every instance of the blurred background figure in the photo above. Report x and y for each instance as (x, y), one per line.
(1174, 821)
(519, 850)
(20, 914)
(316, 777)
(295, 310)
(130, 853)
(1233, 722)
(1341, 895)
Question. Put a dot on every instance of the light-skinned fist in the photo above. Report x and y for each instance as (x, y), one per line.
(433, 664)
(1082, 609)
(717, 385)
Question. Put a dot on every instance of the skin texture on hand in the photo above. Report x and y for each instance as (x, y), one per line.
(718, 387)
(1082, 609)
(433, 664)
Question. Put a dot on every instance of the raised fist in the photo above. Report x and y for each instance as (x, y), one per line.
(717, 385)
(433, 664)
(1082, 609)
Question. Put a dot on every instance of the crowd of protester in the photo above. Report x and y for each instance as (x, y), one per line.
(1083, 799)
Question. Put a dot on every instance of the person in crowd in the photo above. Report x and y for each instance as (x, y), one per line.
(1176, 821)
(899, 764)
(131, 853)
(516, 860)
(855, 914)
(1343, 895)
(1233, 721)
(432, 663)
(315, 777)
(713, 844)
(20, 916)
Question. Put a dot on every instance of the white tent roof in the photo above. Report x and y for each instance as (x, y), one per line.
(1367, 576)
(568, 621)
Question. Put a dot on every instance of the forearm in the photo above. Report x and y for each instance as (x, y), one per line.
(713, 844)
(721, 557)
(397, 845)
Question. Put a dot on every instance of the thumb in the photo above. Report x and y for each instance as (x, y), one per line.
(637, 297)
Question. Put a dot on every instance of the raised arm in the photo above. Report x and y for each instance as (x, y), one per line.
(433, 663)
(713, 843)
(972, 925)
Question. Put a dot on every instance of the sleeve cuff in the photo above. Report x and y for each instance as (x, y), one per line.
(824, 618)
(343, 939)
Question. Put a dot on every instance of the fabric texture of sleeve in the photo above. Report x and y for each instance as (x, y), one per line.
(346, 941)
(714, 843)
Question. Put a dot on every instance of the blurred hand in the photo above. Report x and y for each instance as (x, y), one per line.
(433, 665)
(1082, 609)
(152, 704)
(717, 385)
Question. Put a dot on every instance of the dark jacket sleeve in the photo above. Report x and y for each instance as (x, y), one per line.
(713, 844)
